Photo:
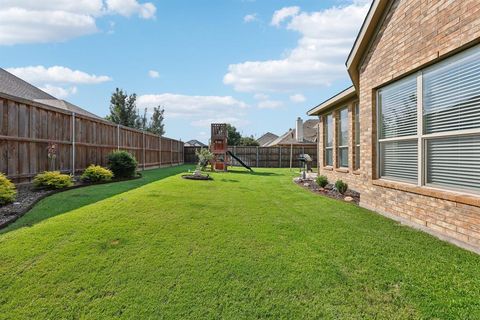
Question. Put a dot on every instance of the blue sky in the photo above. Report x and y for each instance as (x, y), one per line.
(257, 64)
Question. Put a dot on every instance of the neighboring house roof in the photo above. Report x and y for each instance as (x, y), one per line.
(364, 37)
(339, 98)
(65, 105)
(266, 139)
(194, 143)
(310, 135)
(14, 86)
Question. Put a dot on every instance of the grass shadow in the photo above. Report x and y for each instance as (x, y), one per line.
(63, 202)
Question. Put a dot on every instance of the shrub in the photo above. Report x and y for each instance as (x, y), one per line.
(204, 157)
(96, 174)
(341, 186)
(7, 190)
(322, 181)
(52, 180)
(122, 164)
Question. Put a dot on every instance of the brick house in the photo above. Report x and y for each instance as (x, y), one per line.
(406, 135)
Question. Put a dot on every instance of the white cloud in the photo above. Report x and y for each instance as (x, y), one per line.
(250, 18)
(261, 96)
(26, 21)
(280, 15)
(128, 8)
(319, 58)
(153, 74)
(59, 92)
(270, 104)
(199, 110)
(297, 98)
(57, 80)
(56, 74)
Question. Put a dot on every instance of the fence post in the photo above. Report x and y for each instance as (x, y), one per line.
(280, 156)
(159, 151)
(257, 157)
(143, 145)
(171, 153)
(118, 137)
(73, 143)
(291, 155)
(235, 153)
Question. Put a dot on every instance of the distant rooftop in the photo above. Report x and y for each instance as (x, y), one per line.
(266, 139)
(14, 86)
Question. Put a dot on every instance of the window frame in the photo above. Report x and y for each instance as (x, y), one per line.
(422, 137)
(325, 140)
(356, 140)
(339, 134)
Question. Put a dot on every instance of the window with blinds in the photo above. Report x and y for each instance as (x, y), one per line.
(357, 136)
(398, 109)
(451, 94)
(328, 141)
(447, 138)
(343, 138)
(397, 104)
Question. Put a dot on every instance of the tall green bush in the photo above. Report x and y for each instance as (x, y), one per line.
(341, 186)
(122, 164)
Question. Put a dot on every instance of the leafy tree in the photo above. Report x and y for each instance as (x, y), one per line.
(248, 141)
(156, 124)
(233, 136)
(123, 109)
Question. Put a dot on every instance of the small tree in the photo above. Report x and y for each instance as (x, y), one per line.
(204, 157)
(123, 109)
(248, 141)
(233, 136)
(156, 125)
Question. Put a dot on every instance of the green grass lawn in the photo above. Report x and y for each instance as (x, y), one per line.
(243, 246)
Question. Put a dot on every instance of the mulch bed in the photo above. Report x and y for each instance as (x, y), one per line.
(328, 191)
(28, 196)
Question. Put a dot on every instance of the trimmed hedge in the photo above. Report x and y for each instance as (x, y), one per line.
(7, 190)
(96, 174)
(52, 180)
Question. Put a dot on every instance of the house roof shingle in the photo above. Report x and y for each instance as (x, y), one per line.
(265, 139)
(310, 135)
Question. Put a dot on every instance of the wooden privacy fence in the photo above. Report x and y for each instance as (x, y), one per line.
(263, 157)
(27, 129)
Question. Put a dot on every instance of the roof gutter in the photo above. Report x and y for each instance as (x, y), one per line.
(343, 96)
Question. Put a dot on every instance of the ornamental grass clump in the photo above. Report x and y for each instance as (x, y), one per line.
(52, 180)
(96, 174)
(7, 190)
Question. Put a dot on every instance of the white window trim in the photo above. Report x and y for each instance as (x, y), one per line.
(422, 139)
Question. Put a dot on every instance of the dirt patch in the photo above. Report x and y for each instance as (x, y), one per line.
(329, 191)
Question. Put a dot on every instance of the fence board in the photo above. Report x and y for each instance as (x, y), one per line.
(264, 157)
(27, 128)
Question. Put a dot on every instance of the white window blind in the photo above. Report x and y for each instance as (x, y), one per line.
(399, 160)
(398, 122)
(451, 94)
(357, 136)
(343, 138)
(329, 140)
(454, 161)
(398, 109)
